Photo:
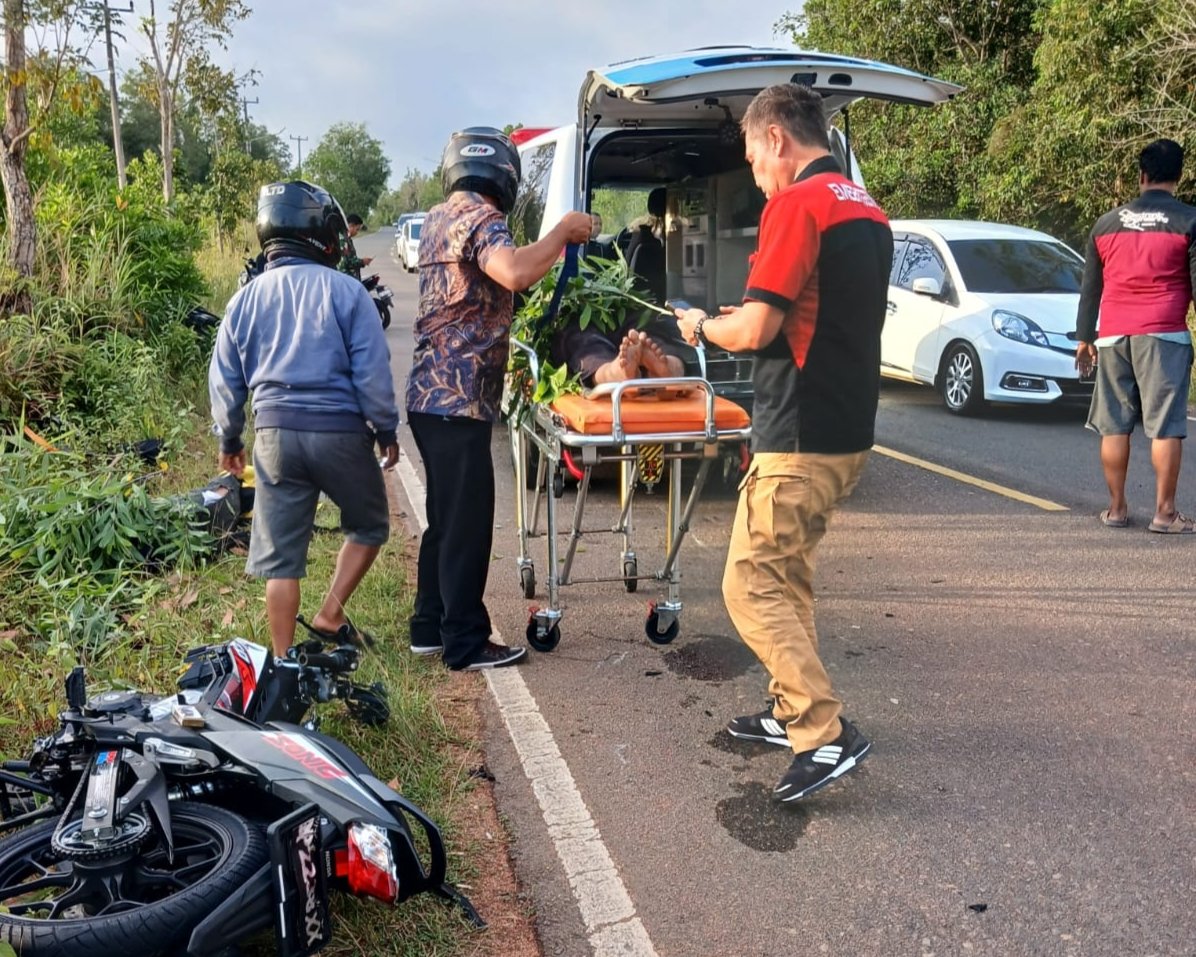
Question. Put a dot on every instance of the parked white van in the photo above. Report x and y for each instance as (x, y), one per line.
(672, 122)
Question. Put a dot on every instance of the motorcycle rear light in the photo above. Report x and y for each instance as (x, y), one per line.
(371, 865)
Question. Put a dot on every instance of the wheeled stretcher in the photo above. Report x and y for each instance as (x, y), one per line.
(672, 420)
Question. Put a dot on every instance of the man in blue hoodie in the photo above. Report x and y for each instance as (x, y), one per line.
(306, 340)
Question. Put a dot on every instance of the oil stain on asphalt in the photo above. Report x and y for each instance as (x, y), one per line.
(710, 658)
(754, 819)
(722, 741)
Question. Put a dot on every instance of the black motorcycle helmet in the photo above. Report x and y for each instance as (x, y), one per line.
(299, 219)
(483, 160)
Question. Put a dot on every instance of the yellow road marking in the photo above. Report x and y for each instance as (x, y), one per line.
(972, 480)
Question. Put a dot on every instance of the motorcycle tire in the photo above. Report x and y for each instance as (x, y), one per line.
(384, 312)
(161, 926)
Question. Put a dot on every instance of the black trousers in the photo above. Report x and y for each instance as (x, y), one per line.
(454, 554)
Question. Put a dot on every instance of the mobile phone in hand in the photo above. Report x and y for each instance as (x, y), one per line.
(678, 304)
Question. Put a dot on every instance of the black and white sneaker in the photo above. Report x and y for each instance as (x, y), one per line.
(425, 647)
(491, 655)
(818, 767)
(759, 727)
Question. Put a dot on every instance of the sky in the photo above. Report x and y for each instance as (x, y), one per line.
(413, 71)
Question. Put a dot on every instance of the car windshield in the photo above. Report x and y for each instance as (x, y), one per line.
(415, 228)
(1017, 265)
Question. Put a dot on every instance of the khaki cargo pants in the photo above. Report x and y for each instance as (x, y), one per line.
(785, 502)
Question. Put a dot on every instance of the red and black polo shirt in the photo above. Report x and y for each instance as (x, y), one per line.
(823, 257)
(1140, 269)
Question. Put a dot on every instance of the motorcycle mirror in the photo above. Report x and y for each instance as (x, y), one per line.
(76, 688)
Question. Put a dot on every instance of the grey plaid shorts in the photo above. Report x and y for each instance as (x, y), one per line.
(1142, 379)
(291, 469)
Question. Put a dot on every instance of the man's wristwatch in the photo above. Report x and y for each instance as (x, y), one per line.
(698, 334)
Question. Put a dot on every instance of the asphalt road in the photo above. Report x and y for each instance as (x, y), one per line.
(1027, 678)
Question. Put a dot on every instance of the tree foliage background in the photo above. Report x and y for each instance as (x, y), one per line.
(1060, 96)
(351, 165)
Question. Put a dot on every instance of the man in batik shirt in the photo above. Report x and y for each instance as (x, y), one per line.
(469, 269)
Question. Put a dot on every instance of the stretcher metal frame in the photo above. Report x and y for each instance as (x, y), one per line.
(536, 427)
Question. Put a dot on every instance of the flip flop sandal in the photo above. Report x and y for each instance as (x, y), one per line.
(1114, 522)
(1180, 525)
(346, 634)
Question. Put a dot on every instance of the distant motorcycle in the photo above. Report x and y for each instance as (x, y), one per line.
(162, 826)
(382, 296)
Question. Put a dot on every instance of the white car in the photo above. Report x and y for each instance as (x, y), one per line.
(409, 244)
(983, 312)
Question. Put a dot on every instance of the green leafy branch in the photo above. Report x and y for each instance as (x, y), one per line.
(605, 295)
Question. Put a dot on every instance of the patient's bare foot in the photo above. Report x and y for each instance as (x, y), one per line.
(624, 366)
(656, 364)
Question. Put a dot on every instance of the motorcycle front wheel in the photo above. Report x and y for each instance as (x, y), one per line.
(136, 902)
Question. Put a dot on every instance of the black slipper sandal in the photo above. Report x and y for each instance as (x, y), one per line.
(346, 634)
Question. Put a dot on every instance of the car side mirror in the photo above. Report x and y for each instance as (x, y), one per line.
(927, 287)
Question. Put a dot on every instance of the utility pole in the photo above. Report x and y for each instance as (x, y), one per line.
(117, 142)
(245, 107)
(300, 140)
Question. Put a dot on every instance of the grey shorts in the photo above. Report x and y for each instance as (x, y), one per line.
(1142, 378)
(291, 469)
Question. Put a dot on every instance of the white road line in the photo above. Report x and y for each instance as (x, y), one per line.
(606, 908)
(414, 487)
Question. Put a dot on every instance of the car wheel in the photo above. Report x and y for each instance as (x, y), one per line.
(962, 381)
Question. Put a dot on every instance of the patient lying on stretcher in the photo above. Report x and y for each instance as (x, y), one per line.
(627, 353)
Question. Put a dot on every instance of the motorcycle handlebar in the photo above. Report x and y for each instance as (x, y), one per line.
(338, 660)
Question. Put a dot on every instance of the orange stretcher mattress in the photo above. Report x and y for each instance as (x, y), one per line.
(648, 414)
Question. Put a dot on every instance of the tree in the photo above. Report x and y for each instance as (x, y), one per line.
(14, 142)
(1059, 96)
(44, 74)
(1068, 153)
(179, 49)
(1172, 44)
(351, 165)
(921, 161)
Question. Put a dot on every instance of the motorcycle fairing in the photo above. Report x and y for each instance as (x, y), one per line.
(300, 770)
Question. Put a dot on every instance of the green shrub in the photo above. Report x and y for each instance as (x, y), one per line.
(78, 542)
(36, 356)
(125, 262)
(125, 389)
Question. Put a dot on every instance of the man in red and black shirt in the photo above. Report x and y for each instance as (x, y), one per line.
(812, 316)
(1139, 278)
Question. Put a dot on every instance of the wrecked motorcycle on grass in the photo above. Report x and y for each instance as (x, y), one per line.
(147, 825)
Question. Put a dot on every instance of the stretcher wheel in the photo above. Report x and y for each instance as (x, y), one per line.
(558, 483)
(655, 635)
(527, 581)
(630, 573)
(542, 642)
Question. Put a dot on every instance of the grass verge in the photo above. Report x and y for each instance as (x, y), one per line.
(424, 758)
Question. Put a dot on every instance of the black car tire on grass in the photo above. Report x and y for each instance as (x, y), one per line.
(236, 851)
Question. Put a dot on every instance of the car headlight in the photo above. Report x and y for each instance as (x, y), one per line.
(1018, 328)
